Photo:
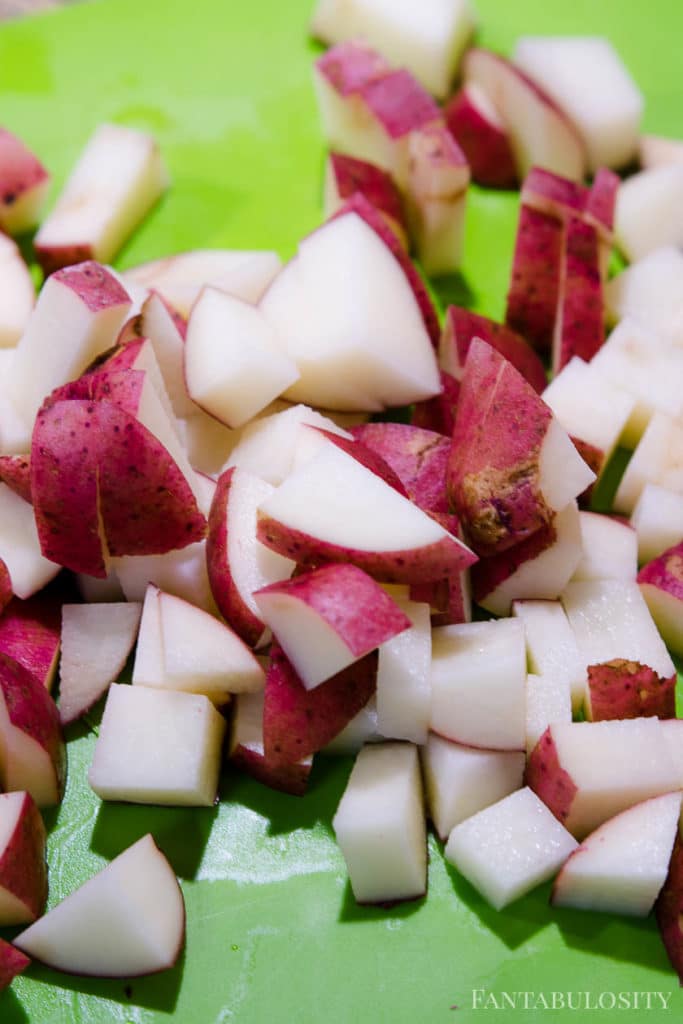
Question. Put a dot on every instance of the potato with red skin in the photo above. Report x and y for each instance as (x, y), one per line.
(345, 176)
(627, 689)
(419, 458)
(438, 413)
(34, 756)
(669, 909)
(482, 138)
(6, 592)
(493, 476)
(461, 326)
(15, 471)
(246, 749)
(23, 869)
(661, 584)
(24, 184)
(580, 323)
(12, 963)
(30, 632)
(298, 722)
(364, 453)
(534, 289)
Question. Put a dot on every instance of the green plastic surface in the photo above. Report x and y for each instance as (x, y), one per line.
(273, 934)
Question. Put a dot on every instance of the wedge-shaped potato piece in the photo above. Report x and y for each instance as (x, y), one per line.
(404, 676)
(621, 867)
(17, 292)
(462, 326)
(125, 921)
(476, 126)
(246, 749)
(24, 184)
(12, 963)
(96, 640)
(335, 509)
(23, 869)
(661, 584)
(30, 633)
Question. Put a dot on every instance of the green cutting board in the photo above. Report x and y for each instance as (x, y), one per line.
(273, 934)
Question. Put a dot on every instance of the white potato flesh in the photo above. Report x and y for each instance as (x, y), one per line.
(182, 572)
(380, 824)
(17, 293)
(651, 291)
(610, 549)
(657, 518)
(587, 78)
(610, 619)
(461, 780)
(478, 684)
(551, 646)
(508, 849)
(621, 867)
(562, 473)
(233, 366)
(118, 177)
(658, 459)
(645, 216)
(125, 921)
(20, 547)
(157, 747)
(548, 700)
(149, 668)
(404, 677)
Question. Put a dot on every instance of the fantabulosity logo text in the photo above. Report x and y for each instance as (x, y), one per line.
(486, 999)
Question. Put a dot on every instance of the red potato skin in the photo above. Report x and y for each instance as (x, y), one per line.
(352, 175)
(364, 622)
(23, 868)
(366, 455)
(438, 413)
(30, 632)
(447, 598)
(581, 313)
(535, 282)
(484, 143)
(298, 722)
(95, 286)
(6, 592)
(492, 476)
(285, 778)
(64, 460)
(602, 199)
(226, 595)
(669, 909)
(146, 504)
(461, 326)
(419, 458)
(58, 257)
(15, 471)
(398, 101)
(595, 458)
(665, 572)
(489, 573)
(12, 963)
(553, 194)
(349, 66)
(627, 689)
(434, 561)
(548, 779)
(20, 168)
(359, 205)
(32, 710)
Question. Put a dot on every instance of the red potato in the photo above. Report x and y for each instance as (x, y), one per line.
(246, 750)
(536, 277)
(627, 689)
(669, 909)
(6, 592)
(539, 130)
(477, 128)
(23, 870)
(438, 413)
(504, 479)
(327, 619)
(539, 567)
(580, 323)
(298, 722)
(64, 487)
(24, 184)
(345, 176)
(553, 194)
(15, 471)
(586, 772)
(348, 66)
(360, 205)
(33, 755)
(419, 458)
(461, 326)
(436, 188)
(12, 963)
(17, 293)
(363, 453)
(30, 633)
(602, 199)
(117, 179)
(237, 563)
(333, 509)
(661, 584)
